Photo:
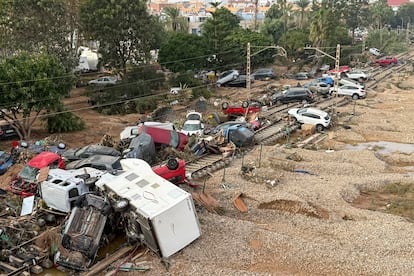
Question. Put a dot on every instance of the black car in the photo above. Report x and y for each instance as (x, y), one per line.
(107, 163)
(141, 147)
(240, 81)
(264, 74)
(87, 151)
(295, 94)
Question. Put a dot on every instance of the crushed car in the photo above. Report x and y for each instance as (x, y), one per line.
(246, 107)
(62, 188)
(87, 151)
(27, 180)
(82, 233)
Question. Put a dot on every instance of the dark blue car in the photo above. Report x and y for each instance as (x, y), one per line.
(6, 161)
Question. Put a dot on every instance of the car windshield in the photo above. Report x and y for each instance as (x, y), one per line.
(28, 173)
(191, 127)
(193, 116)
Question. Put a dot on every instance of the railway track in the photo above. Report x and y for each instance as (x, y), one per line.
(279, 126)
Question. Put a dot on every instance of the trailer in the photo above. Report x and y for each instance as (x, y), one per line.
(160, 215)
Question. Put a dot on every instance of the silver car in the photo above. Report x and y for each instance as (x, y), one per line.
(103, 81)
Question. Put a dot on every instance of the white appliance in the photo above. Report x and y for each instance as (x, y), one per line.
(165, 213)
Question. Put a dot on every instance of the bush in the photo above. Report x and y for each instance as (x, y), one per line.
(64, 122)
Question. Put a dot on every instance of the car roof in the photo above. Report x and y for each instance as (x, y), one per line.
(95, 159)
(43, 159)
(314, 110)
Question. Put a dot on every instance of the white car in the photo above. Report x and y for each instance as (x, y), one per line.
(312, 116)
(375, 51)
(193, 125)
(345, 81)
(102, 81)
(227, 76)
(357, 75)
(354, 91)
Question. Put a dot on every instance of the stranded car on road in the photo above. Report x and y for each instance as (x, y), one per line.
(385, 61)
(312, 116)
(245, 108)
(295, 94)
(103, 81)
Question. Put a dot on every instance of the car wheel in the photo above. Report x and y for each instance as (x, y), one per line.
(361, 79)
(172, 164)
(293, 119)
(319, 128)
(355, 97)
(121, 205)
(245, 104)
(225, 105)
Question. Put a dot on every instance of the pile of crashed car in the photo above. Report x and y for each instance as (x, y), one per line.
(98, 191)
(93, 193)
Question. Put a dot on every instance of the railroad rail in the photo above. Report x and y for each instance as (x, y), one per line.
(279, 127)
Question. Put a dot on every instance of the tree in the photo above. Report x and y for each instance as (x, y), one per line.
(124, 29)
(30, 85)
(273, 25)
(302, 4)
(405, 14)
(381, 14)
(294, 41)
(215, 29)
(181, 52)
(174, 21)
(39, 26)
(236, 44)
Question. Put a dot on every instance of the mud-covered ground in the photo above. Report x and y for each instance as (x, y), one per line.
(307, 222)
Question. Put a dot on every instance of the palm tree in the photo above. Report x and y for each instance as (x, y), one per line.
(175, 22)
(302, 4)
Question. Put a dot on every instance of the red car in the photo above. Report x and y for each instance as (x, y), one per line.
(246, 107)
(25, 183)
(342, 69)
(385, 61)
(173, 170)
(164, 136)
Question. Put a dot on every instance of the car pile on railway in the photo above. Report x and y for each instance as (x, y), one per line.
(66, 204)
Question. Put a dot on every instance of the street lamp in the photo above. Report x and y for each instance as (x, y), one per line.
(249, 55)
(337, 60)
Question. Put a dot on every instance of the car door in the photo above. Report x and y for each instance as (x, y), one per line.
(346, 90)
(310, 118)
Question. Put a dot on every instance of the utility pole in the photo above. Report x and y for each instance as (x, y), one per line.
(248, 82)
(249, 55)
(407, 37)
(337, 59)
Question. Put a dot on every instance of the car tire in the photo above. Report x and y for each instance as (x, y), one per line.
(355, 97)
(172, 164)
(245, 104)
(225, 105)
(319, 128)
(120, 206)
(293, 119)
(361, 79)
